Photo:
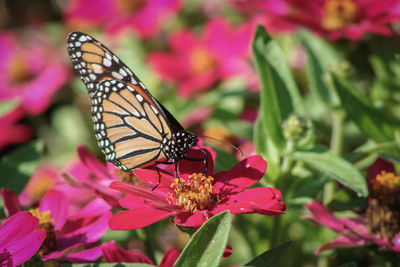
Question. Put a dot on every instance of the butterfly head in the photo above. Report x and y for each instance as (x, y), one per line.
(179, 144)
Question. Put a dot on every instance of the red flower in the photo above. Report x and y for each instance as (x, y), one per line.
(197, 63)
(332, 19)
(20, 239)
(196, 198)
(380, 224)
(113, 253)
(29, 74)
(143, 16)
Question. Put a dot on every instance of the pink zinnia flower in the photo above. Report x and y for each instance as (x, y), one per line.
(20, 239)
(380, 224)
(29, 74)
(69, 237)
(196, 63)
(89, 178)
(114, 253)
(12, 132)
(196, 198)
(333, 19)
(143, 16)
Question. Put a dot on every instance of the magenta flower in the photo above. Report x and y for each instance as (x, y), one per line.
(29, 74)
(88, 179)
(145, 17)
(44, 178)
(379, 225)
(197, 197)
(12, 132)
(333, 19)
(114, 253)
(20, 239)
(69, 237)
(196, 63)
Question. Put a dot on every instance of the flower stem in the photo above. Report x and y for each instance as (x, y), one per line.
(336, 147)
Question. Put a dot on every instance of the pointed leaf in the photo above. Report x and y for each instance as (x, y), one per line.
(208, 244)
(17, 167)
(371, 121)
(271, 256)
(279, 93)
(321, 56)
(335, 166)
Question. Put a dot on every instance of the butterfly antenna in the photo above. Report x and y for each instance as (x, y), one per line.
(215, 139)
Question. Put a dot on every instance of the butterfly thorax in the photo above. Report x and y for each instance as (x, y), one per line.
(176, 148)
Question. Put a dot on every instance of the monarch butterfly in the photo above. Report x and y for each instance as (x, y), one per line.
(132, 128)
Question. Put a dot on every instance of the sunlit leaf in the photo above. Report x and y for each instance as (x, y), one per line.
(335, 166)
(208, 244)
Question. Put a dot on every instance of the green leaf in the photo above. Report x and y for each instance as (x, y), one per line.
(321, 57)
(371, 121)
(349, 264)
(335, 166)
(271, 256)
(225, 160)
(279, 93)
(208, 244)
(17, 167)
(7, 106)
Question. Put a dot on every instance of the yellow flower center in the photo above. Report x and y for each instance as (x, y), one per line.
(196, 193)
(46, 224)
(339, 14)
(201, 60)
(18, 71)
(383, 212)
(130, 6)
(222, 134)
(37, 188)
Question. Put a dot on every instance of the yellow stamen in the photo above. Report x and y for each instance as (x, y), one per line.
(37, 188)
(339, 14)
(196, 193)
(46, 223)
(18, 71)
(201, 60)
(130, 6)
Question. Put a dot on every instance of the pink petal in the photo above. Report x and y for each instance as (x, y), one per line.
(55, 202)
(11, 203)
(138, 218)
(25, 247)
(188, 167)
(17, 226)
(195, 219)
(150, 176)
(86, 255)
(114, 253)
(96, 207)
(324, 217)
(145, 193)
(170, 257)
(262, 200)
(92, 162)
(243, 175)
(340, 242)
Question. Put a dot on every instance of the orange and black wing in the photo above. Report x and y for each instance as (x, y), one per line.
(129, 127)
(130, 124)
(95, 63)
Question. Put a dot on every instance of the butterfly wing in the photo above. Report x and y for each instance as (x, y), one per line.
(95, 63)
(130, 124)
(129, 127)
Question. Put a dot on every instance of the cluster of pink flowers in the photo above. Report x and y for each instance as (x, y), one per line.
(73, 207)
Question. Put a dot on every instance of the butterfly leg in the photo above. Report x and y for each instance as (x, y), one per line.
(158, 171)
(205, 160)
